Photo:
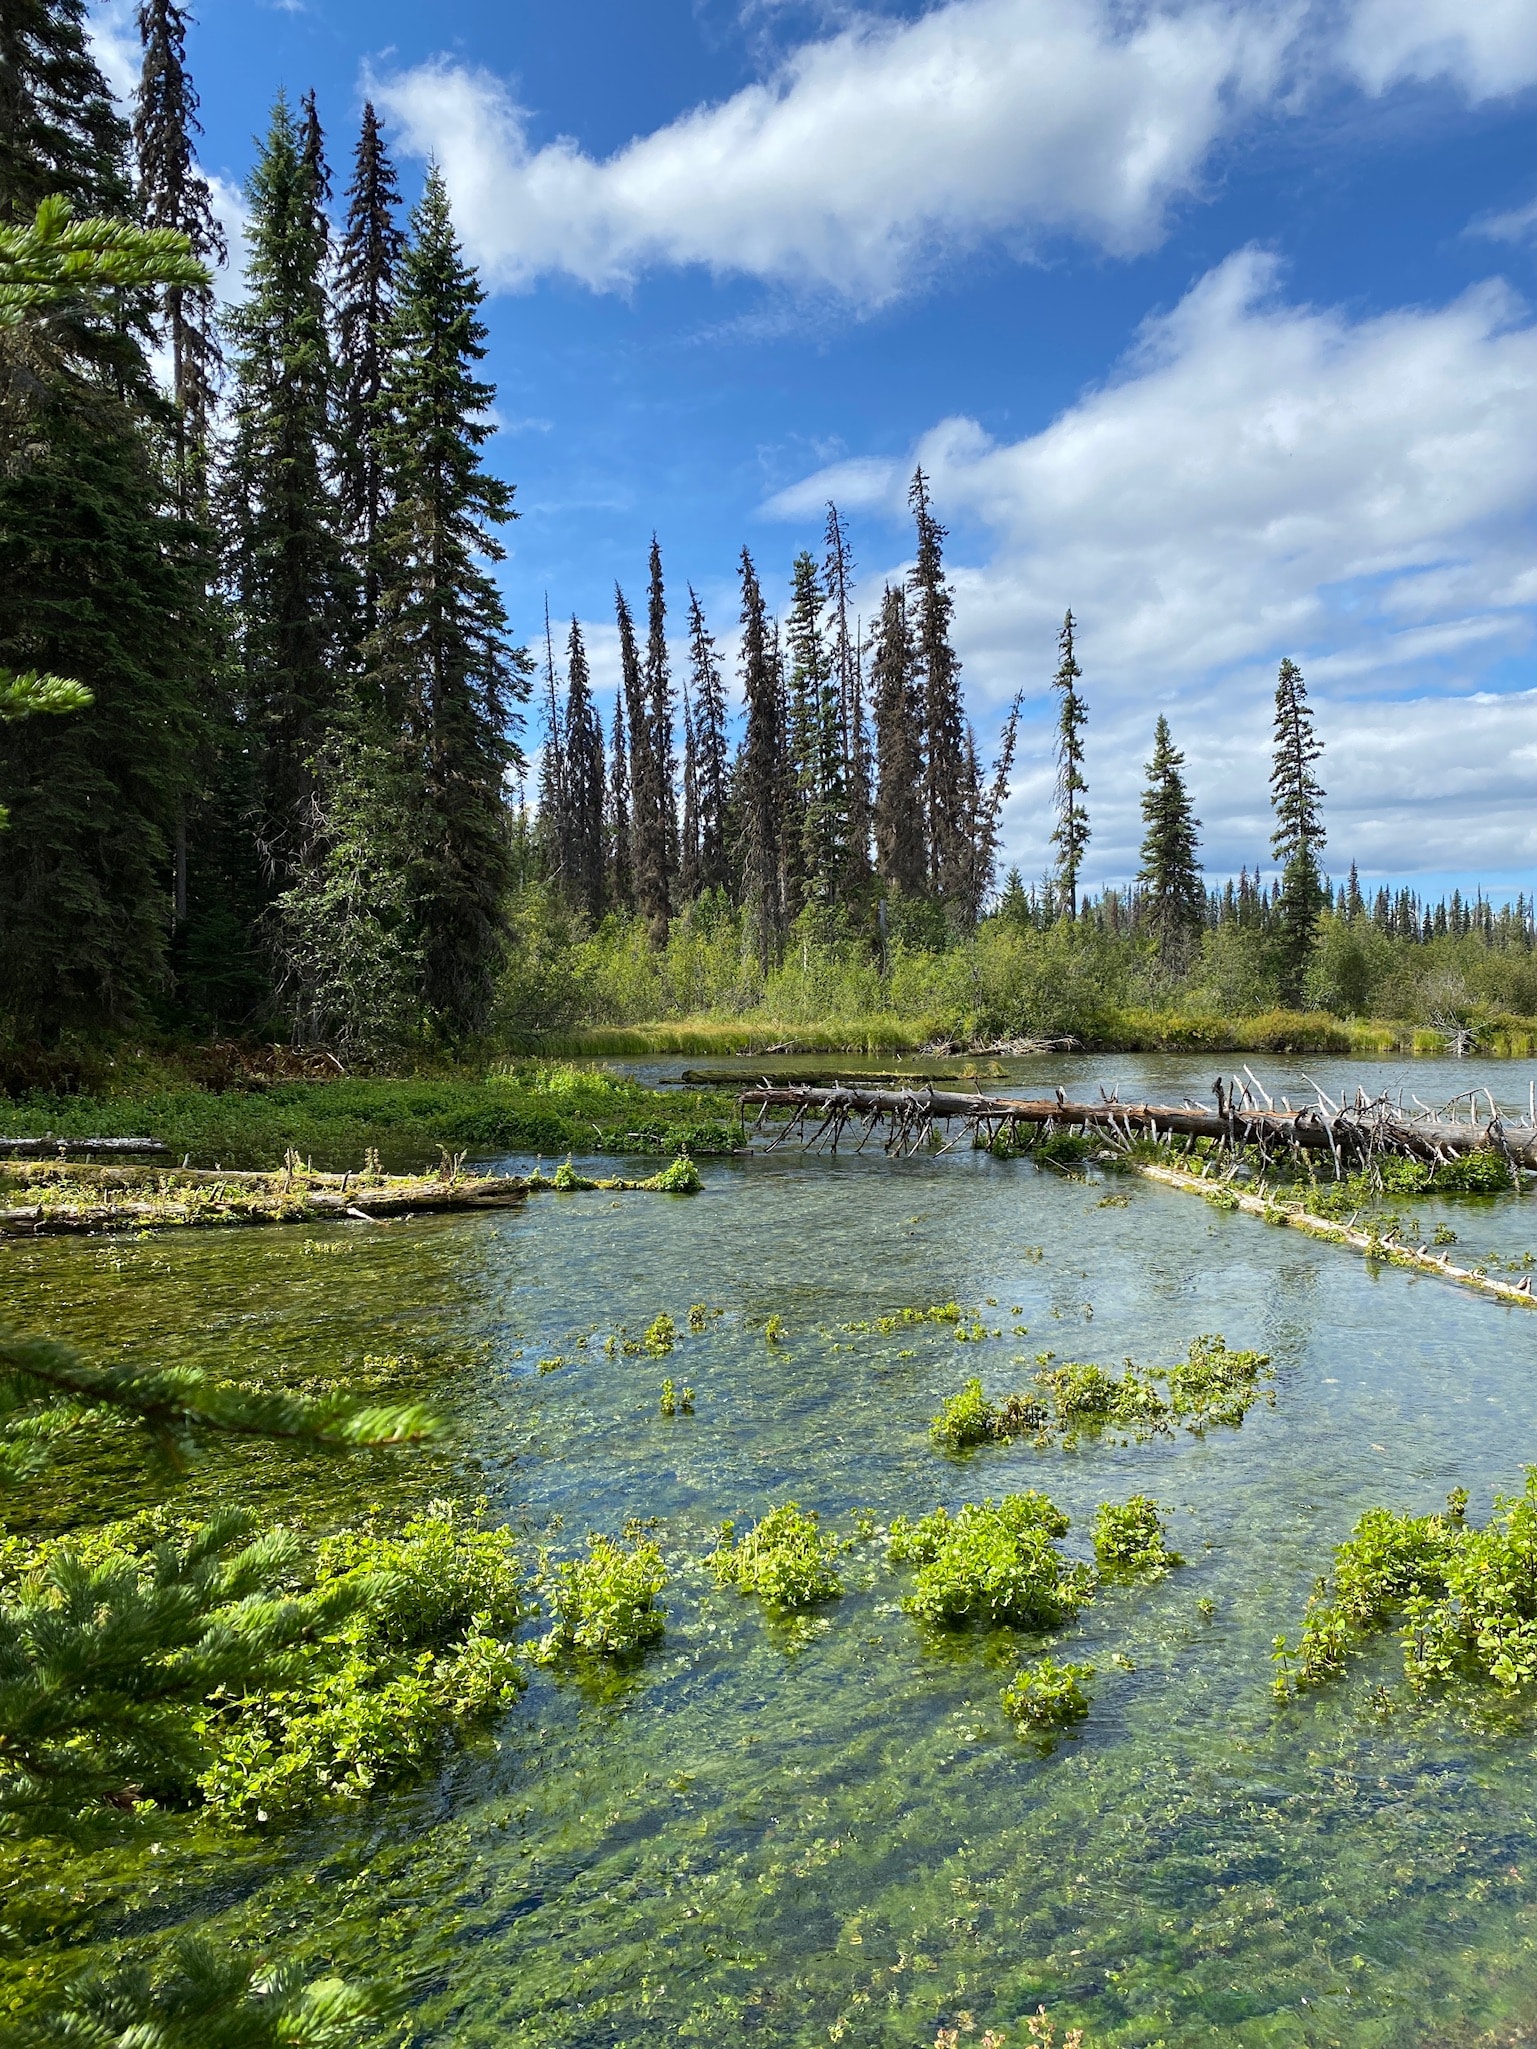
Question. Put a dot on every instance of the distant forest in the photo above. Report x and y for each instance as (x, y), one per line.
(287, 792)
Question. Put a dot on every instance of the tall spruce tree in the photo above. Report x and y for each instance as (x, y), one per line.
(552, 822)
(760, 774)
(986, 802)
(369, 256)
(99, 581)
(621, 884)
(944, 725)
(174, 194)
(1173, 893)
(708, 695)
(1071, 836)
(441, 653)
(1295, 795)
(816, 821)
(659, 708)
(688, 831)
(848, 670)
(648, 843)
(60, 131)
(584, 769)
(901, 857)
(285, 564)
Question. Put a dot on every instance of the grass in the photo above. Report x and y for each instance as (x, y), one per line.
(529, 1107)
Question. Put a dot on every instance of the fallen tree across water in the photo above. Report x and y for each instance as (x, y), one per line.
(1352, 1132)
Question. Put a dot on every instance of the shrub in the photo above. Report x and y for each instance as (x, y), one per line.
(1129, 1538)
(1047, 1695)
(992, 1562)
(606, 1603)
(785, 1559)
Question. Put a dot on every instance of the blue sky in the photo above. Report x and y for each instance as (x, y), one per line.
(1212, 319)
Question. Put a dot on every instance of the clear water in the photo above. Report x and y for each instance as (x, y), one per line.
(828, 1832)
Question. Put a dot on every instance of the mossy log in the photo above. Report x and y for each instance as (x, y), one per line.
(68, 1198)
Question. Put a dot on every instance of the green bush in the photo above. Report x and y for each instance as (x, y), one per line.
(1047, 1695)
(784, 1558)
(605, 1605)
(992, 1562)
(1129, 1538)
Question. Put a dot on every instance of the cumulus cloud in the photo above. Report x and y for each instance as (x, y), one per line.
(1262, 478)
(1488, 48)
(869, 151)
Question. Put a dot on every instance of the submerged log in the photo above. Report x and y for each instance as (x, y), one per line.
(92, 1199)
(49, 1147)
(1347, 1131)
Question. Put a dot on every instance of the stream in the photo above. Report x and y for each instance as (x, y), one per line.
(826, 1830)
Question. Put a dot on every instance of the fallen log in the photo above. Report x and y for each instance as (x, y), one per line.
(76, 1205)
(49, 1147)
(1347, 1131)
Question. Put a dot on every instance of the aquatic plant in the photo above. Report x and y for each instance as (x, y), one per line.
(1084, 1395)
(774, 1330)
(681, 1178)
(1047, 1695)
(676, 1400)
(1465, 1599)
(991, 1562)
(661, 1336)
(567, 1180)
(1129, 1538)
(605, 1604)
(970, 1418)
(785, 1558)
(1215, 1385)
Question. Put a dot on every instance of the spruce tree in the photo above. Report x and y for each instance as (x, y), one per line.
(664, 766)
(584, 782)
(285, 565)
(441, 652)
(648, 845)
(553, 817)
(944, 726)
(621, 886)
(688, 832)
(1295, 796)
(369, 256)
(1071, 836)
(848, 671)
(1173, 894)
(708, 697)
(99, 580)
(60, 131)
(984, 825)
(817, 819)
(174, 194)
(901, 859)
(760, 774)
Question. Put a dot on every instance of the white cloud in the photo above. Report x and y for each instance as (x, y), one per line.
(1486, 47)
(870, 151)
(114, 40)
(1518, 225)
(1263, 478)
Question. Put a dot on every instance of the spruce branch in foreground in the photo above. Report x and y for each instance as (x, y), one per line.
(47, 1391)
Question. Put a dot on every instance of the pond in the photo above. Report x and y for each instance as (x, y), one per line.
(827, 1831)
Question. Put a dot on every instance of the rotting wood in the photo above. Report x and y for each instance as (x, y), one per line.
(1417, 1258)
(1350, 1131)
(86, 1199)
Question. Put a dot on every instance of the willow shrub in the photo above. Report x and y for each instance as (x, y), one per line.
(993, 1562)
(786, 1559)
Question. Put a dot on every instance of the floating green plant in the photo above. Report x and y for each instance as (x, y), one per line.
(991, 1562)
(1047, 1695)
(661, 1336)
(676, 1400)
(1216, 1385)
(605, 1605)
(774, 1330)
(969, 1418)
(681, 1178)
(785, 1558)
(1129, 1539)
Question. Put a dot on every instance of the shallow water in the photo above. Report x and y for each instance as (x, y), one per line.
(829, 1832)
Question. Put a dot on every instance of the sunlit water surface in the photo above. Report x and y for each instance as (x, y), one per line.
(828, 1832)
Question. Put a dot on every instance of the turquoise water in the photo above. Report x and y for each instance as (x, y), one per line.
(828, 1832)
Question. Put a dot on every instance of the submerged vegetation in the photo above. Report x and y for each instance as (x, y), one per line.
(1129, 1539)
(605, 1604)
(1047, 1695)
(1213, 1385)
